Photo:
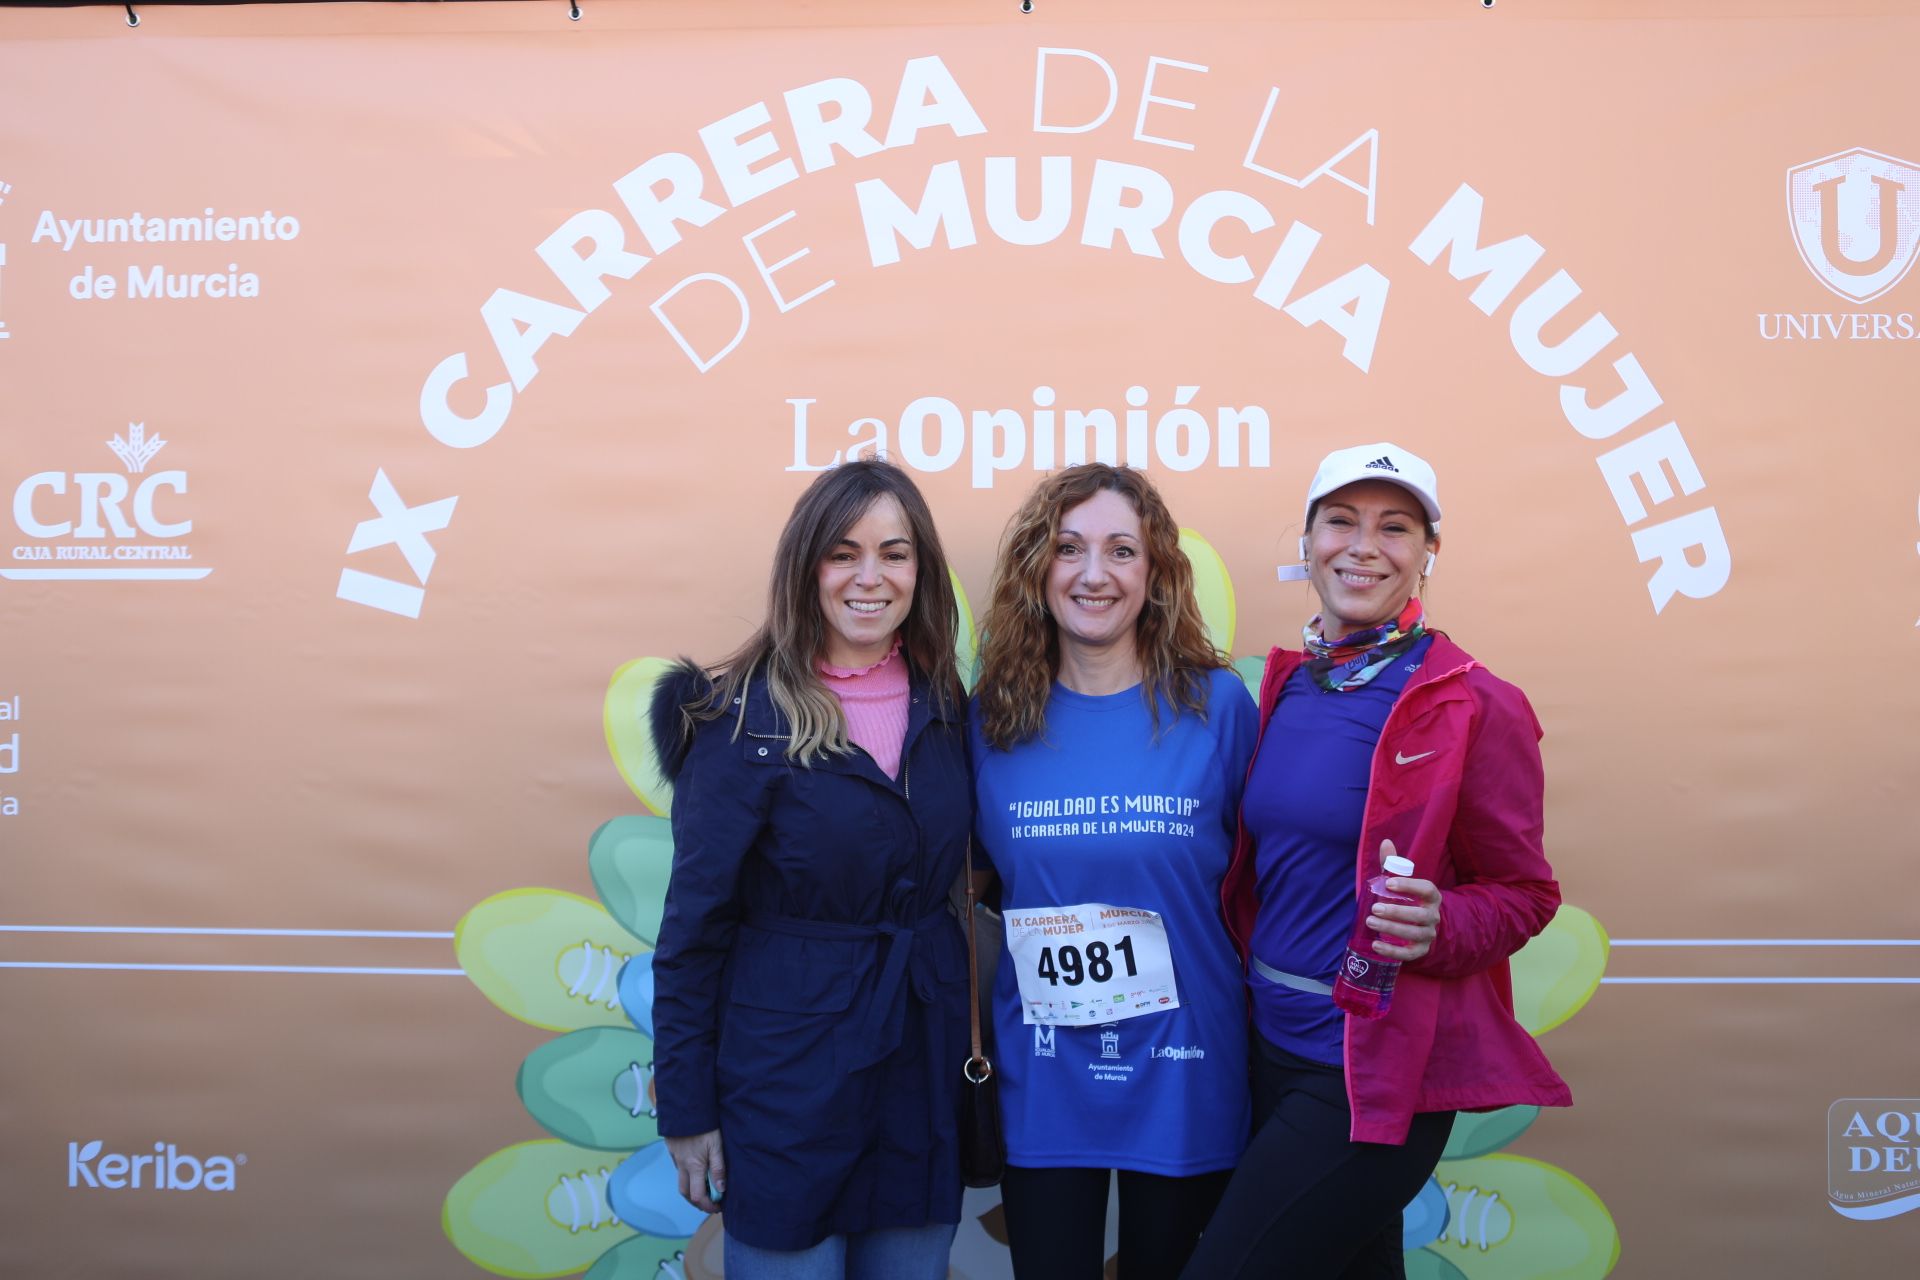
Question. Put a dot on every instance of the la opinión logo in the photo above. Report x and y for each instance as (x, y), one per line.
(165, 1168)
(1873, 1157)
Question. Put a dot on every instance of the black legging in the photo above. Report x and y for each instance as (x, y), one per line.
(1307, 1202)
(1057, 1221)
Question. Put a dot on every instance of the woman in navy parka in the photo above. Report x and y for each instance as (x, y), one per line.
(810, 1012)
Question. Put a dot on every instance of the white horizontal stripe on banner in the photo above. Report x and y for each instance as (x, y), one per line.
(234, 968)
(218, 932)
(1764, 942)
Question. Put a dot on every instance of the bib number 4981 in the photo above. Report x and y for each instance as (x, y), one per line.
(1068, 965)
(1090, 964)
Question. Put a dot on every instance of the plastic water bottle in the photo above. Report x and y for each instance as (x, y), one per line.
(1364, 987)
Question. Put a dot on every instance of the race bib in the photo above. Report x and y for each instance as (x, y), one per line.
(1090, 964)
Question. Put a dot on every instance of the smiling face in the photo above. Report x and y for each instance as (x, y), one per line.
(1365, 551)
(866, 585)
(1098, 581)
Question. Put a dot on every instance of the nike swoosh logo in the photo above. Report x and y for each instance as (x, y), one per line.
(1403, 759)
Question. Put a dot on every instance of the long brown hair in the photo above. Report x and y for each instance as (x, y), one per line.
(790, 643)
(1020, 642)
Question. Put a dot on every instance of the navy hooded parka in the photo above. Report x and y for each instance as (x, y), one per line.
(810, 982)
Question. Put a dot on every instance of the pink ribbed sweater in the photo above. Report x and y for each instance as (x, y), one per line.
(875, 700)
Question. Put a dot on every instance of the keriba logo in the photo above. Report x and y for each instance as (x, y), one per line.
(165, 1168)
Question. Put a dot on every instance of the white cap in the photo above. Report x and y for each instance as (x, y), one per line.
(1395, 865)
(1382, 461)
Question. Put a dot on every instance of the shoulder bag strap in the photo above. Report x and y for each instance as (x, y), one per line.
(977, 1069)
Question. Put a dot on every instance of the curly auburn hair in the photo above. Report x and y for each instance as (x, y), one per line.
(1020, 641)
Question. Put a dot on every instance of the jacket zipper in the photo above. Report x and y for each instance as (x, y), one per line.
(1366, 814)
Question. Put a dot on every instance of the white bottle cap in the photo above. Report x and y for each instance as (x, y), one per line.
(1395, 865)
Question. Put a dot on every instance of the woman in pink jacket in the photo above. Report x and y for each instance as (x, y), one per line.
(1382, 737)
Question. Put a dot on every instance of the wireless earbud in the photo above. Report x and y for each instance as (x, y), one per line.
(1428, 571)
(1295, 572)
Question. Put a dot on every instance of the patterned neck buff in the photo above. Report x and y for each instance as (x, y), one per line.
(1351, 661)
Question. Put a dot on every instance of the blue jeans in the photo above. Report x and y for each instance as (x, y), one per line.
(901, 1253)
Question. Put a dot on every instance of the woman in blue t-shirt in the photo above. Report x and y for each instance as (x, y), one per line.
(1110, 743)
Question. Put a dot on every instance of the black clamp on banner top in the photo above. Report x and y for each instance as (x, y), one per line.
(573, 11)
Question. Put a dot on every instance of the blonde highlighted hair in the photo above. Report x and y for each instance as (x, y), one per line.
(1020, 642)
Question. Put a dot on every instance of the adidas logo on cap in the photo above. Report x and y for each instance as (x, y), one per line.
(1391, 463)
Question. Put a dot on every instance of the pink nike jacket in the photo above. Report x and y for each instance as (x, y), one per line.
(1457, 785)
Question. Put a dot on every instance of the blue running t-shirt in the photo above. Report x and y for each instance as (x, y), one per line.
(1097, 810)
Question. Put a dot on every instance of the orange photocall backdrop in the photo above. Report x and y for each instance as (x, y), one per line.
(381, 381)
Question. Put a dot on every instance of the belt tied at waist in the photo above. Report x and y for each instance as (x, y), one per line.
(876, 1031)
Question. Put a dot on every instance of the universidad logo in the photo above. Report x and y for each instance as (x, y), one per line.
(104, 525)
(600, 1194)
(1855, 220)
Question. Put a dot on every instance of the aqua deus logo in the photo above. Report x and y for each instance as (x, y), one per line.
(1873, 1157)
(165, 1168)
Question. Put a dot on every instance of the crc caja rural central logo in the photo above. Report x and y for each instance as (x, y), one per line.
(119, 526)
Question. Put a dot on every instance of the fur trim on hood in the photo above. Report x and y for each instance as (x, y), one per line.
(685, 685)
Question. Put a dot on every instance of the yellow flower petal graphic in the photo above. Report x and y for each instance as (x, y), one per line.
(548, 957)
(1213, 588)
(966, 642)
(1511, 1218)
(628, 696)
(1557, 972)
(535, 1210)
